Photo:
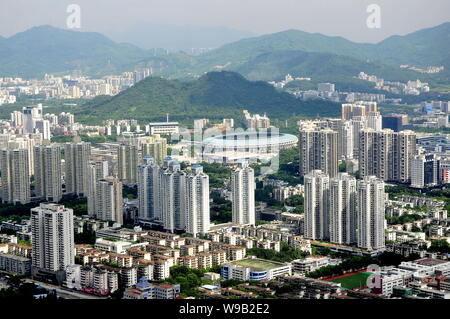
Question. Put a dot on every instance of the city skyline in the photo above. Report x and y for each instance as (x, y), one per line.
(281, 169)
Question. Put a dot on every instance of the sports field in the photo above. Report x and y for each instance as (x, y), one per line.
(353, 281)
(258, 264)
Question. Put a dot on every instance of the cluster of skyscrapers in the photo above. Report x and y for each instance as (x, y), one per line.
(177, 199)
(359, 139)
(338, 207)
(343, 210)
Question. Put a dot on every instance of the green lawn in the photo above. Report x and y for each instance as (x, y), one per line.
(353, 281)
(258, 264)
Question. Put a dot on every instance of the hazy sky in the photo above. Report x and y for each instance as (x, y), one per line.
(345, 18)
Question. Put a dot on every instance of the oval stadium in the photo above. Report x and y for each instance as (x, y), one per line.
(246, 145)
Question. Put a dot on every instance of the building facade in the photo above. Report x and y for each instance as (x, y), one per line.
(52, 237)
(243, 195)
(48, 172)
(371, 207)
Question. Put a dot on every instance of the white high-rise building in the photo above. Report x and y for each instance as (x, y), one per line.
(177, 199)
(345, 134)
(318, 150)
(127, 157)
(374, 121)
(30, 114)
(243, 195)
(149, 190)
(97, 170)
(316, 223)
(197, 192)
(371, 206)
(403, 152)
(52, 237)
(15, 176)
(359, 123)
(173, 196)
(48, 172)
(17, 118)
(343, 218)
(387, 154)
(76, 156)
(27, 142)
(425, 170)
(66, 119)
(109, 199)
(43, 127)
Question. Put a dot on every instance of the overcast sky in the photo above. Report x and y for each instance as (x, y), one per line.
(345, 18)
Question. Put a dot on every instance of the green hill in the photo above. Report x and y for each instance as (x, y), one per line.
(46, 49)
(269, 57)
(319, 66)
(214, 95)
(423, 48)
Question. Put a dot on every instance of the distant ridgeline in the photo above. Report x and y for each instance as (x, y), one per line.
(46, 49)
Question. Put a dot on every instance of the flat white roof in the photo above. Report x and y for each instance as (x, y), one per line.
(163, 123)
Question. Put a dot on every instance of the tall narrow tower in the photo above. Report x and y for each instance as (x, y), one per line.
(243, 195)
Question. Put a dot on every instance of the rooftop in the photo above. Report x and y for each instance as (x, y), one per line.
(257, 264)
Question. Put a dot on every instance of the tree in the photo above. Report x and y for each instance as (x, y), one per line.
(440, 246)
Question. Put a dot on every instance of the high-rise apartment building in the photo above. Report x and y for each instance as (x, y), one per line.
(30, 114)
(318, 150)
(76, 156)
(361, 108)
(359, 123)
(155, 147)
(425, 170)
(256, 121)
(404, 151)
(342, 209)
(149, 189)
(317, 189)
(387, 154)
(243, 195)
(177, 199)
(127, 157)
(97, 170)
(374, 121)
(197, 192)
(345, 135)
(43, 127)
(15, 176)
(48, 172)
(371, 206)
(109, 199)
(173, 196)
(52, 237)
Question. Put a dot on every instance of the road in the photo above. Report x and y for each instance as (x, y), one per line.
(65, 293)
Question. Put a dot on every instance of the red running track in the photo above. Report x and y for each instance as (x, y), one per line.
(345, 275)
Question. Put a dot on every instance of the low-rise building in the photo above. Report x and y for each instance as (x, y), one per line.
(17, 265)
(254, 269)
(146, 290)
(309, 264)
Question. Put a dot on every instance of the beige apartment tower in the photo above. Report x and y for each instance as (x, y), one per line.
(318, 150)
